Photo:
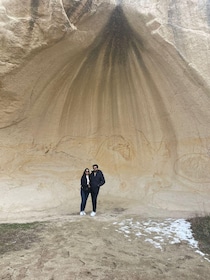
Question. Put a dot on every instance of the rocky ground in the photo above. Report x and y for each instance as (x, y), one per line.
(113, 245)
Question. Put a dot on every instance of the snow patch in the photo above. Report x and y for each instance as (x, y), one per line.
(169, 231)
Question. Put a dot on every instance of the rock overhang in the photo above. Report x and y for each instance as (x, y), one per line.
(117, 85)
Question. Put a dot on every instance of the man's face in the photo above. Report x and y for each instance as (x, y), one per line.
(95, 168)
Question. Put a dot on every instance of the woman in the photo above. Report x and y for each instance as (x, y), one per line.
(85, 190)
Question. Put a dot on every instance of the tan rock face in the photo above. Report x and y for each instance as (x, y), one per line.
(125, 86)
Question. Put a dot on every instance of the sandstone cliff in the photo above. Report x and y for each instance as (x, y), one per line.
(124, 84)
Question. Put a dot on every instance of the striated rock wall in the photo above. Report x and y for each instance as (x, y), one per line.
(121, 83)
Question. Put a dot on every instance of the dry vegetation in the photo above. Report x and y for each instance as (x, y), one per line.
(201, 231)
(14, 237)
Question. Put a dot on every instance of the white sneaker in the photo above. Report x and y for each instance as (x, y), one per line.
(82, 213)
(92, 214)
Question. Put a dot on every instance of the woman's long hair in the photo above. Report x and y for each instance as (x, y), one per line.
(86, 169)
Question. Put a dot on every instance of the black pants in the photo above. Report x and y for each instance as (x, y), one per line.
(84, 197)
(94, 193)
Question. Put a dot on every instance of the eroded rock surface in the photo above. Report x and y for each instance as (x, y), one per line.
(121, 83)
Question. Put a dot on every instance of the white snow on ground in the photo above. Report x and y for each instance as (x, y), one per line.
(160, 233)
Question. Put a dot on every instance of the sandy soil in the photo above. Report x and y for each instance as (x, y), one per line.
(80, 247)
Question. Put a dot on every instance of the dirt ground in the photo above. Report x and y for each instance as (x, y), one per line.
(74, 247)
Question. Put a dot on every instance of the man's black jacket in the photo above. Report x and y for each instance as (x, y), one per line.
(97, 180)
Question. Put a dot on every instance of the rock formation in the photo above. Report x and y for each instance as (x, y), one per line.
(124, 84)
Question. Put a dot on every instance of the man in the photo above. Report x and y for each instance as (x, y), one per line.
(96, 181)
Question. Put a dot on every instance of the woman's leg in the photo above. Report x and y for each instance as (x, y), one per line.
(84, 197)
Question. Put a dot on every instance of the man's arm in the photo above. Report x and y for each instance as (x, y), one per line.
(102, 179)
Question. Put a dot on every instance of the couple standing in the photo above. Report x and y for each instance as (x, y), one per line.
(91, 183)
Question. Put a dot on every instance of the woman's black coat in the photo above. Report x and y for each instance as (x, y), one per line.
(84, 184)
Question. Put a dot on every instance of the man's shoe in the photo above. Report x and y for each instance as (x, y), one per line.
(92, 214)
(82, 213)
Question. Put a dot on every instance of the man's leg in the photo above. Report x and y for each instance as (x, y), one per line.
(94, 194)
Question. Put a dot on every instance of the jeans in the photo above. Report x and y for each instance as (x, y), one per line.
(94, 194)
(84, 197)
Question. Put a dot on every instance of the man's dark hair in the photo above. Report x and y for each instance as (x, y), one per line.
(96, 165)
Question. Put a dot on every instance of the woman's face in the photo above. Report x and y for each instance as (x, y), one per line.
(87, 171)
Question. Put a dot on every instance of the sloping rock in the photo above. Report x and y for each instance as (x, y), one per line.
(125, 85)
